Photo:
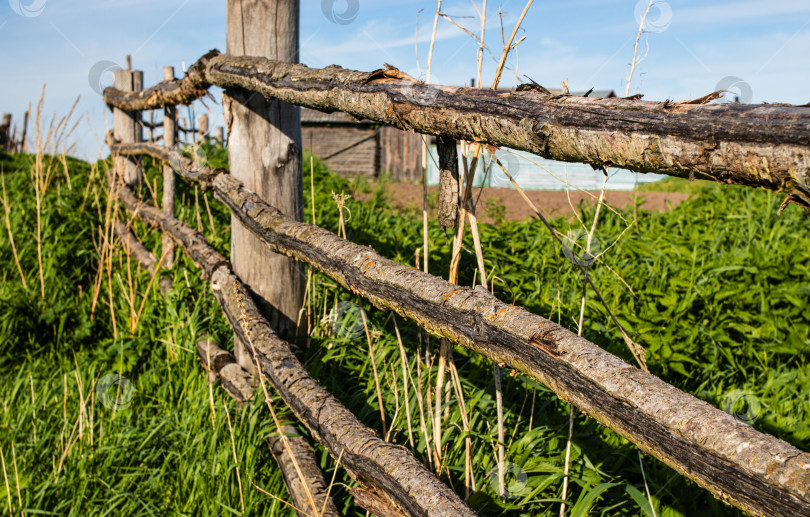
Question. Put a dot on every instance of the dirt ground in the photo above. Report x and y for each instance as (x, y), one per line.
(551, 203)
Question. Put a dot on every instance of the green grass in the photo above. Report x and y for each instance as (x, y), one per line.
(720, 290)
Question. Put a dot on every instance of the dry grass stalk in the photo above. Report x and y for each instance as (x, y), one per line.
(579, 333)
(5, 478)
(373, 362)
(404, 359)
(636, 61)
(235, 461)
(341, 205)
(270, 406)
(7, 211)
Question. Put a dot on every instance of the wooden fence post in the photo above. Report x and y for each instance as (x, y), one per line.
(169, 139)
(127, 125)
(220, 135)
(202, 130)
(23, 139)
(6, 138)
(264, 143)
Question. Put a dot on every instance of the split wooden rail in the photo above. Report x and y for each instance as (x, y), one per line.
(766, 146)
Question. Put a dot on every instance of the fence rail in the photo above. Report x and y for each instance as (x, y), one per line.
(754, 471)
(756, 145)
(767, 146)
(381, 466)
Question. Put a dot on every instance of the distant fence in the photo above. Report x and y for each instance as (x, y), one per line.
(10, 140)
(765, 146)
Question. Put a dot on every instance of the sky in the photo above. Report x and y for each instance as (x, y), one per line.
(760, 50)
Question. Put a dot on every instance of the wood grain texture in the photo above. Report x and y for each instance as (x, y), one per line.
(169, 141)
(294, 455)
(264, 152)
(126, 126)
(379, 466)
(222, 365)
(754, 471)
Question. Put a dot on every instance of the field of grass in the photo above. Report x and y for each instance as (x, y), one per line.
(719, 301)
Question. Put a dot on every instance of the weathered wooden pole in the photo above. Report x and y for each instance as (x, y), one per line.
(6, 138)
(220, 135)
(126, 124)
(264, 143)
(23, 139)
(169, 139)
(202, 132)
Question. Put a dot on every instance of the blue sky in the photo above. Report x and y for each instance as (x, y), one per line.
(696, 45)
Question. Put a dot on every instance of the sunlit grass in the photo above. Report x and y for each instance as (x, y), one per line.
(720, 305)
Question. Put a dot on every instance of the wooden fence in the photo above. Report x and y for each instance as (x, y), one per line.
(10, 140)
(765, 146)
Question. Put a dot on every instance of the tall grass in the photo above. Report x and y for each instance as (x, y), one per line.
(720, 287)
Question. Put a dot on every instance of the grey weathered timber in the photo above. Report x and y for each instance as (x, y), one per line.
(754, 471)
(293, 456)
(126, 125)
(764, 145)
(264, 152)
(379, 466)
(751, 470)
(202, 132)
(169, 140)
(6, 138)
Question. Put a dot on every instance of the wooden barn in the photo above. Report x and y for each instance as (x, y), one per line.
(354, 147)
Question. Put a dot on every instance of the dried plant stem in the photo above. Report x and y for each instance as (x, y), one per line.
(235, 461)
(433, 38)
(579, 333)
(646, 486)
(501, 450)
(373, 363)
(404, 359)
(38, 183)
(7, 211)
(481, 46)
(635, 48)
(5, 478)
(148, 287)
(266, 395)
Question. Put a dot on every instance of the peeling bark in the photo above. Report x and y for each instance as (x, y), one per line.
(305, 459)
(377, 465)
(239, 384)
(739, 465)
(448, 181)
(167, 93)
(222, 365)
(756, 145)
(374, 503)
(754, 471)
